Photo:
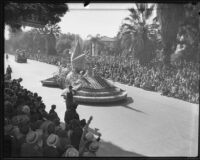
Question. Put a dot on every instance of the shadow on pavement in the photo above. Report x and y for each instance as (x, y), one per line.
(107, 149)
(123, 103)
(127, 101)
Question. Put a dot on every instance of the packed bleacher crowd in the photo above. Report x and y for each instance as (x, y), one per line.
(50, 59)
(180, 80)
(31, 131)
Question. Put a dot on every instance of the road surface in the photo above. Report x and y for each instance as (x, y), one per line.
(147, 125)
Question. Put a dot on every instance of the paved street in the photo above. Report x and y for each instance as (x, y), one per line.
(148, 124)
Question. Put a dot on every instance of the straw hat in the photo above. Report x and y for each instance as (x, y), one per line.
(52, 140)
(89, 136)
(94, 146)
(26, 109)
(89, 154)
(32, 137)
(71, 152)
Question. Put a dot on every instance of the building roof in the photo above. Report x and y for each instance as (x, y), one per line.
(108, 39)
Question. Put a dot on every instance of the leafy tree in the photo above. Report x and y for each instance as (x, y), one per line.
(137, 35)
(46, 15)
(41, 13)
(65, 42)
(50, 33)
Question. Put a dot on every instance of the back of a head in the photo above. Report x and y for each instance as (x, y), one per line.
(51, 128)
(53, 106)
(24, 129)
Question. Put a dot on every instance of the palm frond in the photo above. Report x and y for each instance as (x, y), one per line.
(148, 12)
(141, 7)
(134, 14)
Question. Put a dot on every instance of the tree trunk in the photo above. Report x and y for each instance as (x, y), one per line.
(50, 44)
(170, 17)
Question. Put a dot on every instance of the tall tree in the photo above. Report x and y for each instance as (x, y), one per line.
(50, 32)
(137, 34)
(38, 15)
(41, 13)
(65, 42)
(189, 34)
(170, 17)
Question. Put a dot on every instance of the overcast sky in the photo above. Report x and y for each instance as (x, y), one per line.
(97, 18)
(103, 19)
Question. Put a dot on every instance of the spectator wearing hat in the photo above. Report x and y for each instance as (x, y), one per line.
(10, 142)
(8, 109)
(76, 137)
(33, 145)
(26, 110)
(71, 152)
(93, 148)
(52, 113)
(24, 130)
(52, 143)
(69, 98)
(9, 71)
(82, 123)
(88, 139)
(64, 141)
(71, 114)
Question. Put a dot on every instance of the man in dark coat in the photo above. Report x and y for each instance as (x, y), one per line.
(69, 98)
(52, 113)
(8, 72)
(71, 114)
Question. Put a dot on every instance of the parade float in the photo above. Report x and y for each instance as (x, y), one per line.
(89, 87)
(20, 57)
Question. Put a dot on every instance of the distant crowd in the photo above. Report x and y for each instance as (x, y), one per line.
(180, 80)
(31, 131)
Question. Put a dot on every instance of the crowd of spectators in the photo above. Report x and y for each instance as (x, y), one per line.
(180, 80)
(50, 59)
(31, 131)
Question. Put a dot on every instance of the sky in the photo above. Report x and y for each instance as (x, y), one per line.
(97, 18)
(103, 19)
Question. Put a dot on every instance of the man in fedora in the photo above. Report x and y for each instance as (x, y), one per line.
(33, 145)
(93, 148)
(52, 143)
(71, 152)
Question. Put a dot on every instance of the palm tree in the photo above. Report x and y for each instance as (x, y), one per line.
(136, 35)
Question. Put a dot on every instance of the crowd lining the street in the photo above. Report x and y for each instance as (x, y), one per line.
(31, 131)
(180, 80)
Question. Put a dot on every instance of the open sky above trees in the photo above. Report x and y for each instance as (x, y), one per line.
(97, 18)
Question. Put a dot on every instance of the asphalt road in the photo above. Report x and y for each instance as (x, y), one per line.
(148, 124)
